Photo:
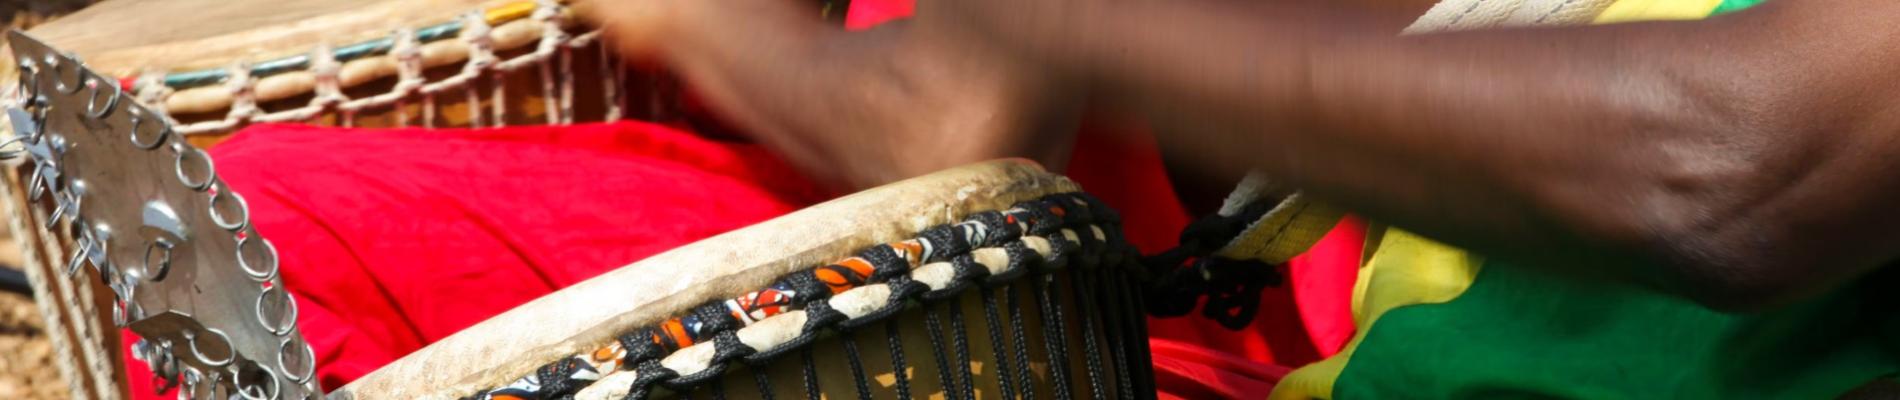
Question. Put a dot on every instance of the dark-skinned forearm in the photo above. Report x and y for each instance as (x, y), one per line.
(1646, 147)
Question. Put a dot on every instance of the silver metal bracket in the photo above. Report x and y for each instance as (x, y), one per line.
(147, 211)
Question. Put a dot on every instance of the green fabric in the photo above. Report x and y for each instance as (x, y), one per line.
(1523, 333)
(1728, 6)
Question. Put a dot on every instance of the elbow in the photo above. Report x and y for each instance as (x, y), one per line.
(1725, 241)
(1702, 214)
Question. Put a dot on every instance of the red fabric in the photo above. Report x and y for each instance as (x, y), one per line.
(1322, 281)
(394, 239)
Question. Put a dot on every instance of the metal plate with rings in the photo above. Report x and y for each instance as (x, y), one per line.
(285, 306)
(197, 350)
(193, 166)
(29, 77)
(256, 256)
(228, 209)
(162, 249)
(98, 85)
(296, 359)
(143, 121)
(248, 384)
(64, 86)
(201, 264)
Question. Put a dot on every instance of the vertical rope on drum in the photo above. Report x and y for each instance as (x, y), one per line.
(548, 99)
(934, 324)
(610, 91)
(719, 390)
(566, 57)
(1056, 339)
(857, 363)
(241, 85)
(1143, 356)
(1108, 292)
(765, 385)
(402, 113)
(898, 368)
(961, 339)
(408, 52)
(620, 75)
(474, 99)
(811, 374)
(1021, 340)
(498, 98)
(997, 345)
(428, 110)
(329, 85)
(1079, 280)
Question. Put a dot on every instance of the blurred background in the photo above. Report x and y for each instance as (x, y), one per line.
(26, 362)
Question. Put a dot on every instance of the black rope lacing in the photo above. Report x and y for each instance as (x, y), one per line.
(811, 374)
(1085, 244)
(899, 370)
(857, 364)
(1187, 273)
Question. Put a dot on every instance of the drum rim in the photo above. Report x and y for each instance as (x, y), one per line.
(1082, 229)
(477, 358)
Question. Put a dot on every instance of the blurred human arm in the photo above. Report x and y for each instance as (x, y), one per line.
(1742, 161)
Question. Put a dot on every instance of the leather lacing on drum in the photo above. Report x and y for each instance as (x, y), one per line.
(987, 252)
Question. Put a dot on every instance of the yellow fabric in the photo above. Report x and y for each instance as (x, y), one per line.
(1408, 269)
(1287, 230)
(1656, 10)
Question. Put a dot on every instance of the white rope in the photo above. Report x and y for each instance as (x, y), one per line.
(481, 54)
(610, 72)
(567, 85)
(483, 60)
(500, 97)
(326, 91)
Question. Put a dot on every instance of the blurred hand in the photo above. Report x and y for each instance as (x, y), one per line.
(853, 108)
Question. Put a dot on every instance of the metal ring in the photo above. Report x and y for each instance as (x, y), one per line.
(138, 118)
(98, 84)
(78, 258)
(269, 252)
(310, 356)
(178, 164)
(160, 359)
(164, 265)
(53, 64)
(192, 339)
(123, 307)
(230, 224)
(290, 309)
(276, 387)
(310, 390)
(30, 77)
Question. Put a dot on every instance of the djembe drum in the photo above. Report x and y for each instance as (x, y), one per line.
(993, 280)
